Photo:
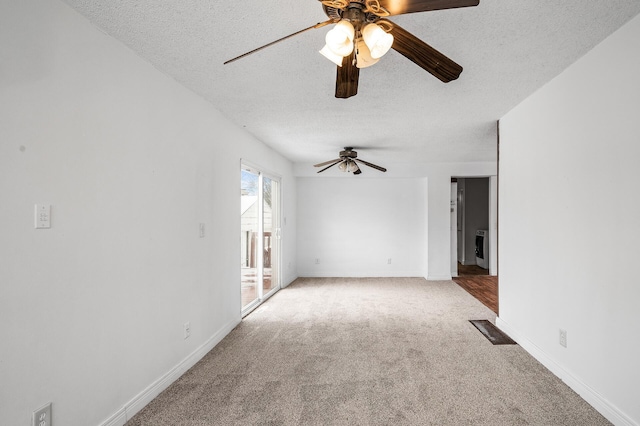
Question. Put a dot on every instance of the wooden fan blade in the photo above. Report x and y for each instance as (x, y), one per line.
(326, 162)
(423, 55)
(347, 77)
(339, 161)
(318, 25)
(366, 163)
(398, 7)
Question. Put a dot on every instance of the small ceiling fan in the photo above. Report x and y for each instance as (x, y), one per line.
(362, 35)
(348, 162)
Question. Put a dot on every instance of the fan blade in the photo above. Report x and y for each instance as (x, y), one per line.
(398, 7)
(339, 161)
(423, 55)
(326, 162)
(347, 77)
(358, 171)
(366, 163)
(318, 25)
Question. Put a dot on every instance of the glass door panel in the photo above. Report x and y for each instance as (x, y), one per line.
(270, 234)
(249, 231)
(260, 237)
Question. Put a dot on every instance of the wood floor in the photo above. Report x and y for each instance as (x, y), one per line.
(477, 282)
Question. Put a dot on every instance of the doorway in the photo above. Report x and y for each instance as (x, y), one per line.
(474, 217)
(259, 236)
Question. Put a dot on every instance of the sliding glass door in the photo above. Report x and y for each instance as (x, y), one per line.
(260, 236)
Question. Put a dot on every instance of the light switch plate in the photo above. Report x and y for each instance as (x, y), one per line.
(43, 216)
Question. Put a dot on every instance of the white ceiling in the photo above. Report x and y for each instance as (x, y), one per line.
(284, 95)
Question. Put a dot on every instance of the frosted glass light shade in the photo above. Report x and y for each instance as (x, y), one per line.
(353, 166)
(331, 55)
(378, 40)
(363, 55)
(340, 38)
(343, 166)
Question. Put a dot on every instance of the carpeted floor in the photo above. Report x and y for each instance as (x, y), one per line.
(358, 351)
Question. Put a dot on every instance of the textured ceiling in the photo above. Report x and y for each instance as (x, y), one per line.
(284, 95)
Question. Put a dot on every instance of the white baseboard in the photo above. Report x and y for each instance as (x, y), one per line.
(439, 278)
(117, 419)
(138, 402)
(356, 274)
(597, 401)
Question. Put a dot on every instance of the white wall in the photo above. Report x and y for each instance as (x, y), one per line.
(433, 239)
(92, 310)
(354, 226)
(569, 224)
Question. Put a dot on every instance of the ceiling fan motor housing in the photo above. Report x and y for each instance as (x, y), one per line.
(355, 12)
(348, 153)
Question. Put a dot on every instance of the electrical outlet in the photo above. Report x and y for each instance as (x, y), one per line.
(42, 216)
(563, 338)
(42, 416)
(201, 230)
(389, 261)
(187, 329)
(317, 261)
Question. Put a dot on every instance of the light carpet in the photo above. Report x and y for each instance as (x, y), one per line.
(367, 351)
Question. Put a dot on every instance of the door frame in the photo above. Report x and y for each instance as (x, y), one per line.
(276, 218)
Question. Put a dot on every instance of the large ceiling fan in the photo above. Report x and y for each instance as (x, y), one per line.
(362, 35)
(348, 162)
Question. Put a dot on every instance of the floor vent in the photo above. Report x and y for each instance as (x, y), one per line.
(492, 333)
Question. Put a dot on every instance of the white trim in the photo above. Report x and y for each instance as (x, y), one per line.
(138, 402)
(117, 419)
(597, 401)
(345, 274)
(439, 278)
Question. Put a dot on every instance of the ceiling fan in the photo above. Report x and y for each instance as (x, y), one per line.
(362, 35)
(348, 162)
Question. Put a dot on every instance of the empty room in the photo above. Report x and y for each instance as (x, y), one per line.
(300, 212)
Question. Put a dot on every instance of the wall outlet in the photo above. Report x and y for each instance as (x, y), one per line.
(563, 338)
(42, 216)
(317, 261)
(42, 416)
(201, 230)
(187, 329)
(389, 261)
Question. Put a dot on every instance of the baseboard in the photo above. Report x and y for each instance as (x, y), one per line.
(138, 402)
(117, 419)
(367, 274)
(439, 278)
(289, 281)
(597, 401)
